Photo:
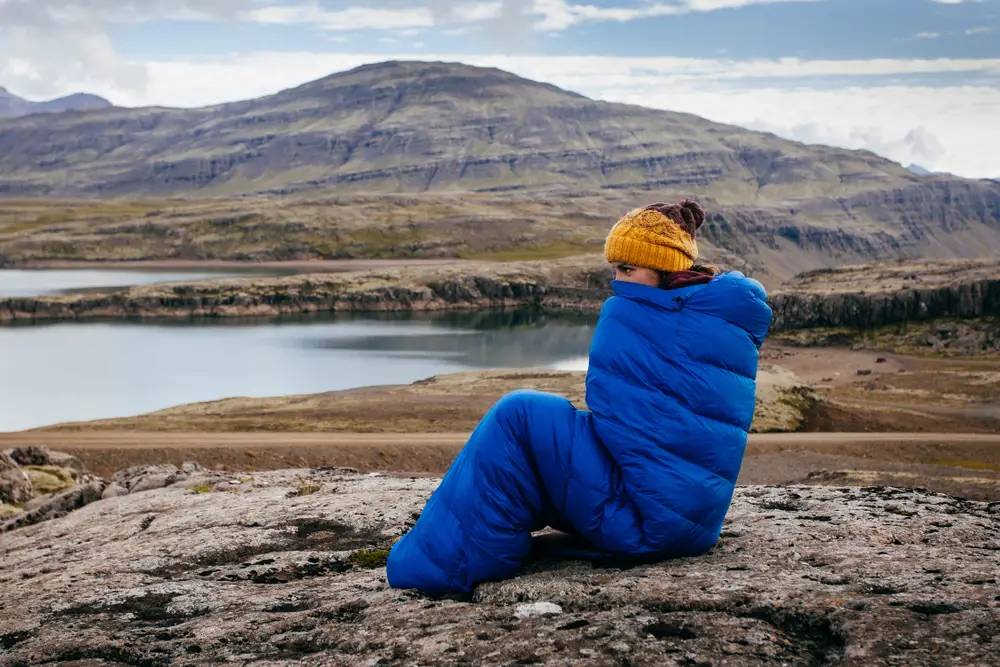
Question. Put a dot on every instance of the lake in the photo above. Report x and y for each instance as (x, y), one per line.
(74, 371)
(32, 282)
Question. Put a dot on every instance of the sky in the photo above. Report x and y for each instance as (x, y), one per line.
(917, 81)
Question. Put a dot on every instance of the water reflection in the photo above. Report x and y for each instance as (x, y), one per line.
(40, 282)
(483, 340)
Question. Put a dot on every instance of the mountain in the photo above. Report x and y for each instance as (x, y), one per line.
(412, 126)
(917, 169)
(11, 105)
(480, 147)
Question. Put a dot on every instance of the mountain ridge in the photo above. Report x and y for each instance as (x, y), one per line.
(13, 106)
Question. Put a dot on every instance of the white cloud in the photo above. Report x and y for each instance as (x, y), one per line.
(515, 15)
(927, 35)
(954, 2)
(560, 14)
(979, 30)
(352, 18)
(67, 40)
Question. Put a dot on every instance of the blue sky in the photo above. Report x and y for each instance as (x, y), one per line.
(915, 80)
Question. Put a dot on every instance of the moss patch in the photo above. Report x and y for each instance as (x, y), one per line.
(970, 464)
(201, 488)
(49, 479)
(6, 509)
(307, 489)
(369, 559)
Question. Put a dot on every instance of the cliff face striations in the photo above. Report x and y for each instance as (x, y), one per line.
(885, 294)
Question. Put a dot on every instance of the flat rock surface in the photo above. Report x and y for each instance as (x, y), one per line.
(894, 276)
(283, 568)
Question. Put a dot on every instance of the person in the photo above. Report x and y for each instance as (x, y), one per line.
(648, 471)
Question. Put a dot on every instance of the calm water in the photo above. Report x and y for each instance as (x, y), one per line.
(60, 372)
(22, 283)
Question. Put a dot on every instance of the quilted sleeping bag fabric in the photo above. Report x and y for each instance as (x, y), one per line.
(648, 472)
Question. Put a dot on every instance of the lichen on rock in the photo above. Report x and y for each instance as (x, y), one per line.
(261, 575)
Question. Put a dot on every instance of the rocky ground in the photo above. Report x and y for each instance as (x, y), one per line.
(37, 484)
(286, 568)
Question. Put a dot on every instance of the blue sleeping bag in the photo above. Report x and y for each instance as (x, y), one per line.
(647, 473)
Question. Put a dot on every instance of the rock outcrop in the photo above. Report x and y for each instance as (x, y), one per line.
(286, 568)
(864, 297)
(37, 484)
(15, 487)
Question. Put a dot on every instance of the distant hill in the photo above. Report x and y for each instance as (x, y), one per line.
(446, 130)
(12, 106)
(917, 169)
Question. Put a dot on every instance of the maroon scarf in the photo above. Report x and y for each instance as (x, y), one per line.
(679, 279)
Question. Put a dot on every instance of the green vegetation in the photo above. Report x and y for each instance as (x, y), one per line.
(369, 559)
(49, 479)
(970, 464)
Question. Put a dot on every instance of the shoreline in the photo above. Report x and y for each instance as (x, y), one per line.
(292, 267)
(861, 299)
(833, 416)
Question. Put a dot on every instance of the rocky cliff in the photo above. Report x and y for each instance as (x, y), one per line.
(286, 568)
(864, 297)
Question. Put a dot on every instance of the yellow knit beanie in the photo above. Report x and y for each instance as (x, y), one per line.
(659, 236)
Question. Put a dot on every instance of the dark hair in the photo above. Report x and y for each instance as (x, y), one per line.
(703, 269)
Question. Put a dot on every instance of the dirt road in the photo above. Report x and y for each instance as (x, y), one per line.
(95, 440)
(962, 464)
